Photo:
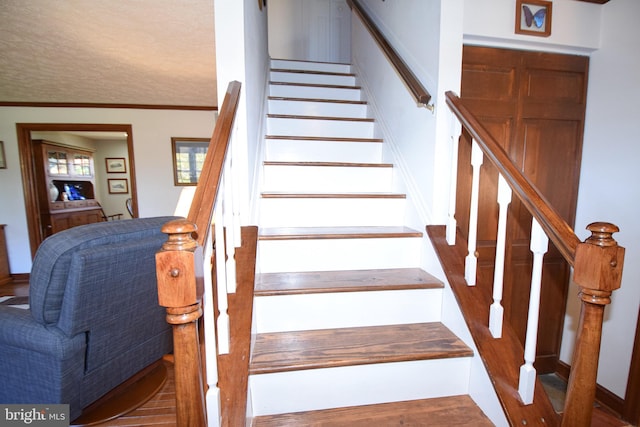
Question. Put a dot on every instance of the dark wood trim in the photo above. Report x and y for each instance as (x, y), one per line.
(320, 138)
(28, 167)
(339, 119)
(631, 408)
(331, 101)
(595, 1)
(556, 228)
(320, 85)
(201, 211)
(96, 105)
(328, 164)
(233, 368)
(603, 396)
(322, 73)
(418, 91)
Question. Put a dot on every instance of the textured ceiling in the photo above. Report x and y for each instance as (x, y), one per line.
(159, 52)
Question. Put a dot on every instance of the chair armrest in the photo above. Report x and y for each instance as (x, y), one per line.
(18, 329)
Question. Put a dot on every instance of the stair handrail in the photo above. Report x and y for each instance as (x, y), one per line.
(597, 264)
(418, 91)
(560, 233)
(181, 273)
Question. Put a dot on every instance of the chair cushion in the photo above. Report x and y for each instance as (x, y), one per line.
(50, 271)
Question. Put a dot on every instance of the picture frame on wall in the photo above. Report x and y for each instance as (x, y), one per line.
(533, 17)
(118, 185)
(116, 164)
(188, 158)
(3, 160)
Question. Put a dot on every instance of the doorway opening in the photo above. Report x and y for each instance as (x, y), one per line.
(29, 172)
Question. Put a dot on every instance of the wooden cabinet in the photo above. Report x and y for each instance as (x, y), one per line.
(65, 182)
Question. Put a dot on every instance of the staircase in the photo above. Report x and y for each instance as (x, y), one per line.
(348, 327)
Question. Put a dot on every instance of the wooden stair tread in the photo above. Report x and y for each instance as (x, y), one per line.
(315, 85)
(344, 281)
(322, 138)
(330, 164)
(333, 101)
(337, 119)
(328, 348)
(438, 412)
(289, 233)
(285, 195)
(324, 73)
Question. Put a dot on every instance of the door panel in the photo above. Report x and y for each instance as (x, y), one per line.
(533, 103)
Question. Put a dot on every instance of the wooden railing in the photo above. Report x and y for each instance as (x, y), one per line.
(199, 273)
(416, 88)
(597, 264)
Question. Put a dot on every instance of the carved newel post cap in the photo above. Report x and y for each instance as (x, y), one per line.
(180, 233)
(599, 261)
(602, 234)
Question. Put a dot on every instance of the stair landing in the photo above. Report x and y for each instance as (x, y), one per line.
(439, 412)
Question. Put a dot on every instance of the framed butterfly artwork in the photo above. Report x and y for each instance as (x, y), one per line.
(533, 17)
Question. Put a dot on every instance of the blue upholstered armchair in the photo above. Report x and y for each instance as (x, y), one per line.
(93, 320)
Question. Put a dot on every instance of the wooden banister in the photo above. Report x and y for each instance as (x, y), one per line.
(558, 231)
(597, 264)
(180, 271)
(411, 81)
(201, 211)
(598, 272)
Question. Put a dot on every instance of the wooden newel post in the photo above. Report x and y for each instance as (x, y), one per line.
(179, 269)
(598, 272)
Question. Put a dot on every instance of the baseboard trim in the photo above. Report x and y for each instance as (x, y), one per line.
(603, 395)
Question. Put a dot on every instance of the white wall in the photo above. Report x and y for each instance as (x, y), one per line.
(407, 129)
(152, 132)
(609, 189)
(575, 26)
(242, 55)
(317, 30)
(112, 204)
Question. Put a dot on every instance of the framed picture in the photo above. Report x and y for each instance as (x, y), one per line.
(533, 17)
(188, 158)
(3, 160)
(118, 186)
(116, 164)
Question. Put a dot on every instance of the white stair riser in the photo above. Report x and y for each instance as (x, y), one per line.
(311, 66)
(338, 254)
(298, 91)
(327, 179)
(323, 151)
(317, 108)
(346, 309)
(319, 128)
(358, 385)
(325, 79)
(331, 212)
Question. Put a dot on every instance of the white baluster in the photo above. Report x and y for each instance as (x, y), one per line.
(452, 225)
(539, 246)
(230, 229)
(221, 278)
(236, 181)
(213, 392)
(496, 312)
(471, 261)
